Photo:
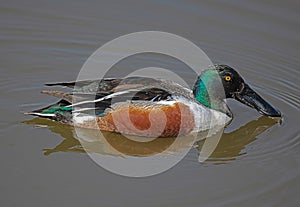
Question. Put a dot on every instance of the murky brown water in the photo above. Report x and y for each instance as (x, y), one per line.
(255, 164)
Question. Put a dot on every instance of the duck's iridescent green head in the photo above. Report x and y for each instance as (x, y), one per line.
(222, 82)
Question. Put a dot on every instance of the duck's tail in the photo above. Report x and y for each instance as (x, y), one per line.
(57, 112)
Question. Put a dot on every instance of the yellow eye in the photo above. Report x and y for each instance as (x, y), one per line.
(227, 78)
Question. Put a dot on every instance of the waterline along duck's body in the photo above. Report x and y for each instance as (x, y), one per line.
(153, 107)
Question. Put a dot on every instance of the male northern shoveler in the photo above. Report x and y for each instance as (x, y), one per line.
(153, 107)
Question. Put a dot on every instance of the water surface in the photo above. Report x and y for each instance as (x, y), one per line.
(255, 164)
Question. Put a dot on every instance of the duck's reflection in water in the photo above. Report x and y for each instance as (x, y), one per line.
(229, 146)
(232, 144)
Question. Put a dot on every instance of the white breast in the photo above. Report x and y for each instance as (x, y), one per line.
(205, 118)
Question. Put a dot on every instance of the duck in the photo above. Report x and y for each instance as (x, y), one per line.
(151, 107)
